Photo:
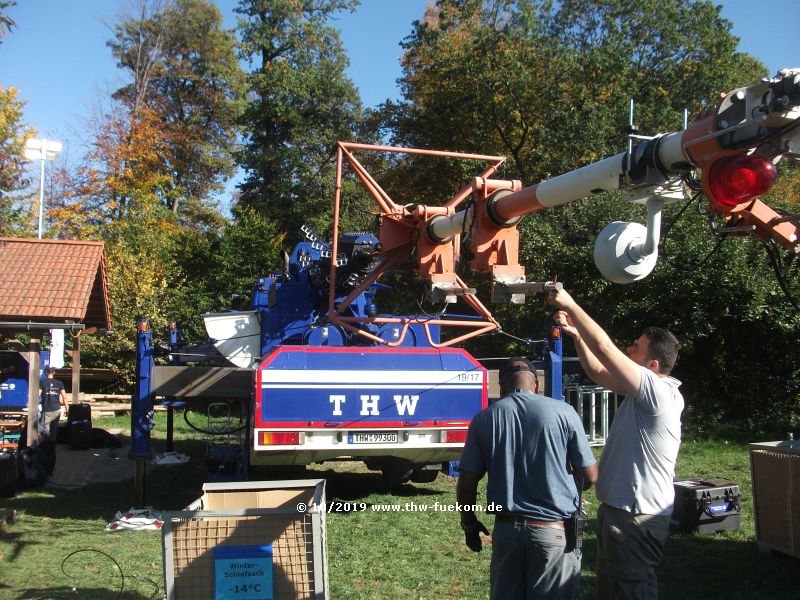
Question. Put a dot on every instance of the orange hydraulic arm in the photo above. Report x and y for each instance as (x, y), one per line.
(404, 240)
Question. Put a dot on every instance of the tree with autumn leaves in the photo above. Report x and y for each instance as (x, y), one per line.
(168, 138)
(15, 217)
(160, 155)
(184, 69)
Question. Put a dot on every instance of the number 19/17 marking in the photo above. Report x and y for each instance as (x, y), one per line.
(474, 376)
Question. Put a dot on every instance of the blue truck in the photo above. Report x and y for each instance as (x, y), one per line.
(310, 391)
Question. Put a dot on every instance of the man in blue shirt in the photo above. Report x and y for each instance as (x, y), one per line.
(535, 452)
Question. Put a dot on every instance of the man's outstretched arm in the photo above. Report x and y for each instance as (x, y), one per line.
(593, 367)
(625, 375)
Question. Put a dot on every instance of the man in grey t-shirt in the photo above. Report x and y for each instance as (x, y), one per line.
(637, 466)
(534, 449)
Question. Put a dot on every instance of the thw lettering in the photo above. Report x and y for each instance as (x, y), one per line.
(406, 403)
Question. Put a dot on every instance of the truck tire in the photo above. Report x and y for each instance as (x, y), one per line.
(426, 474)
(396, 471)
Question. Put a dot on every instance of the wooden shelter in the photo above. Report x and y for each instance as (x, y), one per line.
(52, 284)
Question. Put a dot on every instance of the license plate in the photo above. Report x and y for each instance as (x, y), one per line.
(372, 437)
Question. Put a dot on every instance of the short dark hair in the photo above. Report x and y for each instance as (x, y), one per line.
(517, 372)
(663, 347)
(511, 365)
(50, 370)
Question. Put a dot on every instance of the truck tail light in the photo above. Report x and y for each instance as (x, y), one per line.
(279, 438)
(454, 436)
(733, 180)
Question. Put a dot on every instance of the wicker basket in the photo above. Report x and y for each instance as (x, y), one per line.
(775, 468)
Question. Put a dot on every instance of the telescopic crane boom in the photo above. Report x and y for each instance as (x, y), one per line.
(735, 146)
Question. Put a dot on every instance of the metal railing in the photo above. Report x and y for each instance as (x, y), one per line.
(596, 406)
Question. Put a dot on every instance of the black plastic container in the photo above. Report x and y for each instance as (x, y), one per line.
(79, 412)
(706, 506)
(80, 435)
(79, 426)
(9, 468)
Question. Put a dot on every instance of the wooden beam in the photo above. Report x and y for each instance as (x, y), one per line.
(34, 347)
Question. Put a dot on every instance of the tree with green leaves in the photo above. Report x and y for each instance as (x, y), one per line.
(300, 104)
(6, 22)
(177, 273)
(548, 85)
(183, 67)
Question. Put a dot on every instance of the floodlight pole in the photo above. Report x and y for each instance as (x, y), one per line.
(41, 196)
(42, 150)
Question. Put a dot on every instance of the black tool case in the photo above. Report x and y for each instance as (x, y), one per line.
(705, 506)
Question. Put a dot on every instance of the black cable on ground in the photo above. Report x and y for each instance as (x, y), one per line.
(155, 595)
(76, 592)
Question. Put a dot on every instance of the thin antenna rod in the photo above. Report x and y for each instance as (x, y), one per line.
(631, 130)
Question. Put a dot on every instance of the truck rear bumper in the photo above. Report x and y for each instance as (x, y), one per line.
(419, 446)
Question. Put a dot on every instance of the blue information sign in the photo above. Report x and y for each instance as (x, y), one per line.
(243, 573)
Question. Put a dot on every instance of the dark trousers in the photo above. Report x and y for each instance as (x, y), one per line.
(629, 548)
(530, 563)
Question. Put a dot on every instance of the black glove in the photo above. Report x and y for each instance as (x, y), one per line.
(472, 533)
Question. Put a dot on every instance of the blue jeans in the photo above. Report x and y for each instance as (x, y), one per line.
(530, 562)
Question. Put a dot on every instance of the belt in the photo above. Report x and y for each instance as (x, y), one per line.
(511, 518)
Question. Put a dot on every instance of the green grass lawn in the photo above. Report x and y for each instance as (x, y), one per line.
(372, 554)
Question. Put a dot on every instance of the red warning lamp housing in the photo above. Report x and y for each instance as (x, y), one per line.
(733, 180)
(279, 438)
(454, 436)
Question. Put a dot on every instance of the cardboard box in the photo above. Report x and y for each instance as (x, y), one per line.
(279, 524)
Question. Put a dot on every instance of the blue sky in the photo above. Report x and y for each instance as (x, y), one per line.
(58, 59)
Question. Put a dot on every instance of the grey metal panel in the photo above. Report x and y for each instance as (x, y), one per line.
(282, 484)
(168, 562)
(494, 385)
(318, 511)
(196, 382)
(320, 568)
(785, 446)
